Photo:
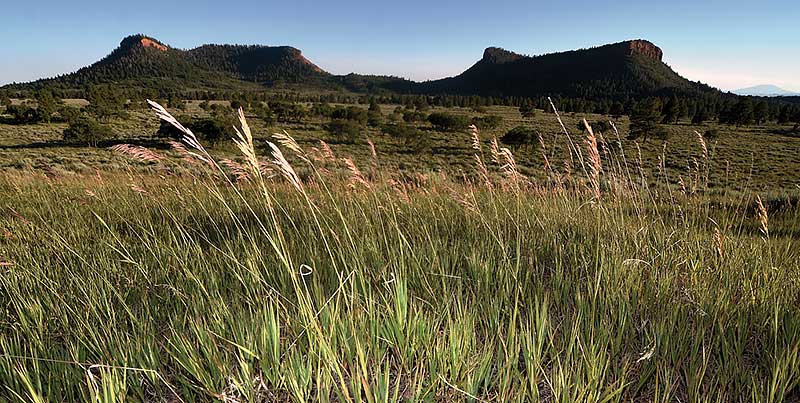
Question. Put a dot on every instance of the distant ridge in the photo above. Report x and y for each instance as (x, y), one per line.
(624, 70)
(145, 62)
(767, 90)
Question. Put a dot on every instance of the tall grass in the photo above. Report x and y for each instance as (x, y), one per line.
(319, 280)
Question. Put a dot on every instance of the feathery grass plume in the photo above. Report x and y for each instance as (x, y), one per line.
(483, 172)
(509, 167)
(289, 142)
(682, 184)
(188, 137)
(702, 142)
(763, 216)
(719, 241)
(138, 189)
(401, 189)
(544, 153)
(285, 168)
(374, 161)
(138, 153)
(460, 197)
(696, 181)
(356, 177)
(494, 147)
(594, 158)
(481, 166)
(244, 142)
(327, 152)
(476, 138)
(239, 172)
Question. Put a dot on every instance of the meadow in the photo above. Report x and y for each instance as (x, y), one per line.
(587, 268)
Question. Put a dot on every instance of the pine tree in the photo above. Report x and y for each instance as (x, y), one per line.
(671, 110)
(644, 118)
(46, 104)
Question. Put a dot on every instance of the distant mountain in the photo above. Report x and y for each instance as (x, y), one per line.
(625, 69)
(144, 62)
(767, 90)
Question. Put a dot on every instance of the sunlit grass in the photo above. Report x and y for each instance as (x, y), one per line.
(327, 286)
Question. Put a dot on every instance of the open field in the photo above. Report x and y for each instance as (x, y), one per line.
(763, 158)
(601, 279)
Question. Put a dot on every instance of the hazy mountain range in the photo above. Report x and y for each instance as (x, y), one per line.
(767, 90)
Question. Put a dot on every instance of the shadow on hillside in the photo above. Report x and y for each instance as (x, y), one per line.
(793, 132)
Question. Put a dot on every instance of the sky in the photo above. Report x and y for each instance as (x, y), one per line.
(727, 44)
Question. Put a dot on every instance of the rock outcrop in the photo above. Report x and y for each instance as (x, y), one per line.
(645, 48)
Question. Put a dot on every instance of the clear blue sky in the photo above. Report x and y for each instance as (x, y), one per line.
(728, 44)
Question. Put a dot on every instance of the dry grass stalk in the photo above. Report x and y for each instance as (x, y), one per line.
(401, 189)
(594, 159)
(138, 153)
(719, 241)
(763, 216)
(289, 142)
(327, 152)
(476, 138)
(483, 172)
(237, 170)
(702, 142)
(495, 151)
(284, 167)
(374, 161)
(244, 142)
(138, 189)
(188, 138)
(509, 166)
(544, 154)
(356, 177)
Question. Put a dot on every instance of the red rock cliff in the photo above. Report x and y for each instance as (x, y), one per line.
(645, 48)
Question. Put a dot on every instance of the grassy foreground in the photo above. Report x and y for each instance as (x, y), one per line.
(366, 287)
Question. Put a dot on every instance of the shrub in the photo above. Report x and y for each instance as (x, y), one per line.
(448, 121)
(69, 114)
(519, 135)
(215, 128)
(410, 116)
(211, 129)
(345, 130)
(88, 131)
(413, 138)
(22, 114)
(351, 113)
(489, 122)
(710, 134)
(167, 130)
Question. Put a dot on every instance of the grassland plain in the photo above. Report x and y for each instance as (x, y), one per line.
(763, 158)
(329, 275)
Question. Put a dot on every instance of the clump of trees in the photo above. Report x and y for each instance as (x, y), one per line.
(448, 122)
(413, 138)
(345, 131)
(520, 135)
(105, 101)
(645, 120)
(488, 122)
(86, 131)
(212, 129)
